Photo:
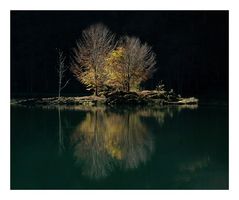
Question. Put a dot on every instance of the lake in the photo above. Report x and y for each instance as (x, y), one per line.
(174, 147)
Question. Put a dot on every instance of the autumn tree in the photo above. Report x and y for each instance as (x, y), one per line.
(129, 64)
(115, 69)
(89, 56)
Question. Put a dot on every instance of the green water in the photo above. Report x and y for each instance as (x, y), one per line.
(120, 148)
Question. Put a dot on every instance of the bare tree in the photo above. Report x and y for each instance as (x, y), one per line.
(139, 61)
(89, 56)
(61, 72)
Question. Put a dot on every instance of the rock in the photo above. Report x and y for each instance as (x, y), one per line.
(184, 101)
(154, 94)
(127, 98)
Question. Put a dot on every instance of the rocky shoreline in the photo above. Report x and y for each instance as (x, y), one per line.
(146, 97)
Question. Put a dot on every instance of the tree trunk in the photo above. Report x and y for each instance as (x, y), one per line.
(59, 90)
(128, 86)
(59, 93)
(96, 82)
(128, 80)
(96, 90)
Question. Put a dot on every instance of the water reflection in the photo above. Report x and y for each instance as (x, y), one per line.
(108, 139)
(192, 169)
(105, 140)
(195, 165)
(61, 145)
(136, 148)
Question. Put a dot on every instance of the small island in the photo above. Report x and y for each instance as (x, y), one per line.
(113, 70)
(145, 97)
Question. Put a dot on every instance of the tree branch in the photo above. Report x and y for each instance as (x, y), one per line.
(65, 84)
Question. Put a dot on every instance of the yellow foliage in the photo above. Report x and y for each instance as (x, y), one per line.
(115, 69)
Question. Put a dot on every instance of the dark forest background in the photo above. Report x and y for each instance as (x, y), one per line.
(191, 48)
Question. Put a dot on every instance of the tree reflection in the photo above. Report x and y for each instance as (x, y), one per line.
(61, 145)
(115, 138)
(105, 140)
(89, 149)
(160, 113)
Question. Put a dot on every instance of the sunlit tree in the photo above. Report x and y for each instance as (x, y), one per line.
(89, 56)
(130, 64)
(115, 69)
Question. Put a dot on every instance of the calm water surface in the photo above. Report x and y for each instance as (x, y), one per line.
(124, 148)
